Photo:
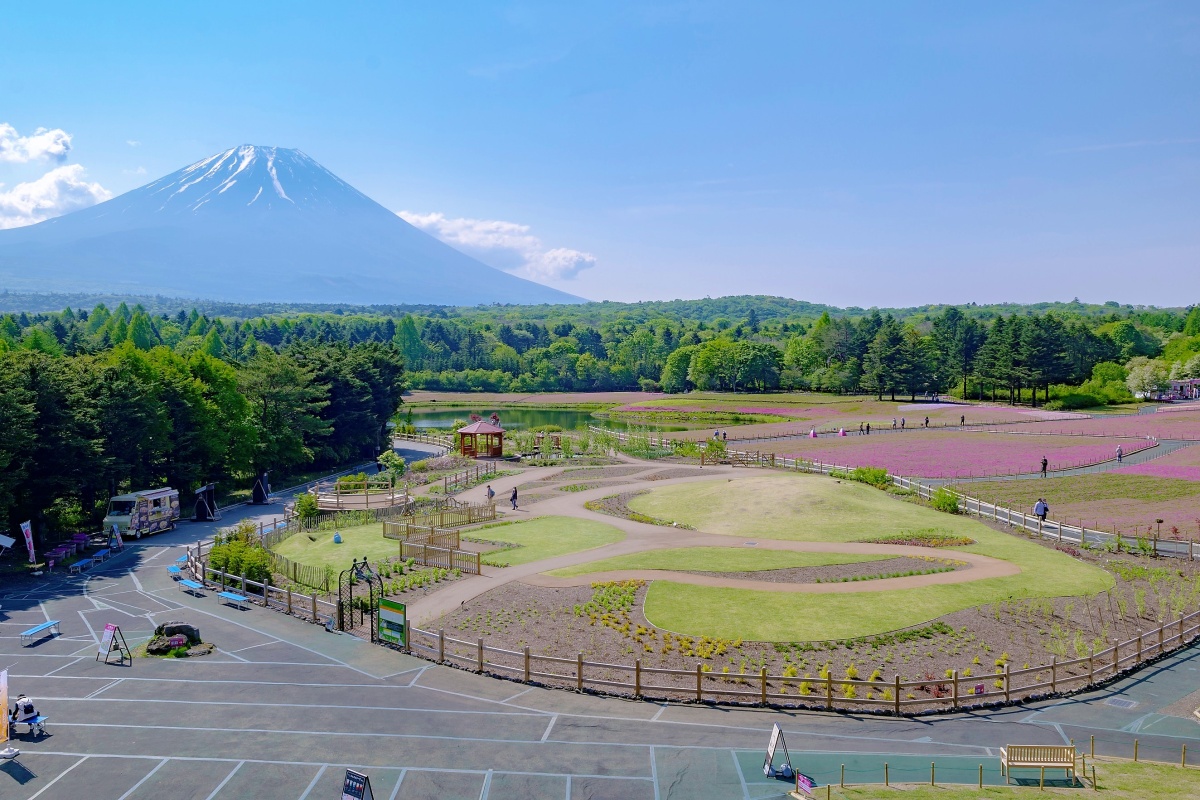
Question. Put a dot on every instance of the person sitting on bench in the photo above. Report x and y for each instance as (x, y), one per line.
(24, 710)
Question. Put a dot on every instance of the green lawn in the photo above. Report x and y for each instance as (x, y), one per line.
(816, 508)
(716, 559)
(357, 542)
(1119, 780)
(546, 537)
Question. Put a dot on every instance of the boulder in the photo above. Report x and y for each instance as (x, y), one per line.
(179, 628)
(158, 646)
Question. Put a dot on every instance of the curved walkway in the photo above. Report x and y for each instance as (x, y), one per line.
(642, 537)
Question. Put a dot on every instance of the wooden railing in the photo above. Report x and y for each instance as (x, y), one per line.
(445, 557)
(437, 440)
(827, 692)
(466, 477)
(422, 534)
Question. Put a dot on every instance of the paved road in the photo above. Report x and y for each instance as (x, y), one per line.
(282, 708)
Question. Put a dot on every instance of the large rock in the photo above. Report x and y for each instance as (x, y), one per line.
(172, 628)
(158, 646)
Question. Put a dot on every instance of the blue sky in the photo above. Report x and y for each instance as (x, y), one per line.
(851, 153)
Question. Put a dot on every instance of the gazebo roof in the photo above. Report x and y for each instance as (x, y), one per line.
(481, 427)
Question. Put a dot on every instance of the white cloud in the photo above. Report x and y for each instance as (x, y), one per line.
(59, 191)
(43, 143)
(507, 245)
(138, 171)
(133, 143)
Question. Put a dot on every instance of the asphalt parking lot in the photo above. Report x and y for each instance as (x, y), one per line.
(282, 708)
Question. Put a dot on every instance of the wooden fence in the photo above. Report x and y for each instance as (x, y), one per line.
(464, 478)
(339, 495)
(422, 534)
(445, 442)
(445, 557)
(828, 692)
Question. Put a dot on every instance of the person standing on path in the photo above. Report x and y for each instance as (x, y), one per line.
(868, 429)
(1120, 454)
(1040, 508)
(514, 498)
(893, 423)
(962, 421)
(1045, 464)
(927, 422)
(490, 493)
(902, 422)
(860, 429)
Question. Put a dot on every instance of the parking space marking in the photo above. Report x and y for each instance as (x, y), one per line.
(396, 788)
(313, 782)
(133, 789)
(221, 785)
(57, 779)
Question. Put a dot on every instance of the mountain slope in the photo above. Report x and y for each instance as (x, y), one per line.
(253, 224)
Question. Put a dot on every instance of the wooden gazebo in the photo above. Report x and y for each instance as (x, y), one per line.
(492, 445)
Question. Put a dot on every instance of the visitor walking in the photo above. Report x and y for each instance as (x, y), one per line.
(1120, 454)
(868, 429)
(893, 423)
(902, 422)
(490, 493)
(860, 429)
(927, 422)
(513, 499)
(1045, 464)
(1040, 509)
(962, 421)
(724, 435)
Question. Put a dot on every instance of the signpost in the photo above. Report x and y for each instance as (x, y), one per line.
(393, 622)
(356, 786)
(111, 640)
(27, 529)
(7, 752)
(769, 768)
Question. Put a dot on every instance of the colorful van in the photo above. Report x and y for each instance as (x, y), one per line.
(142, 513)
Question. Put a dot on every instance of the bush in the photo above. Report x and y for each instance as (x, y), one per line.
(873, 476)
(945, 500)
(421, 466)
(306, 507)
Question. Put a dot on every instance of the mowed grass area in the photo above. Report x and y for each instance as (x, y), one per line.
(546, 537)
(716, 559)
(1101, 501)
(317, 548)
(816, 508)
(1120, 780)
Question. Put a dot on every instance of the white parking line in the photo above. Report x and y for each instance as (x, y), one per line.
(313, 782)
(133, 789)
(221, 785)
(59, 778)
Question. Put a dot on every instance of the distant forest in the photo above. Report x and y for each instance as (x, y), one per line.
(132, 395)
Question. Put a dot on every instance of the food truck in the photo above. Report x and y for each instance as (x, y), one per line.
(139, 514)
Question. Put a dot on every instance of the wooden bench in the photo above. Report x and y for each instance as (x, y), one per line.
(191, 587)
(233, 599)
(28, 636)
(1035, 756)
(80, 565)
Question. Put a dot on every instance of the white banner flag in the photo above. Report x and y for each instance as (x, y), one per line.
(27, 529)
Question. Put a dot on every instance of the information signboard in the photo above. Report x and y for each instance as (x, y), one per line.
(27, 530)
(107, 639)
(356, 786)
(769, 768)
(804, 783)
(393, 622)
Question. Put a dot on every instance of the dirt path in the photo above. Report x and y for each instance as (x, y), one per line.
(641, 537)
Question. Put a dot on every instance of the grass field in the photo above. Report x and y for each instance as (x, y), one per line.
(546, 537)
(317, 548)
(814, 508)
(1120, 780)
(1101, 501)
(716, 559)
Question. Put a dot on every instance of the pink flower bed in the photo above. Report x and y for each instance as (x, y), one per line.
(1183, 464)
(1175, 425)
(951, 455)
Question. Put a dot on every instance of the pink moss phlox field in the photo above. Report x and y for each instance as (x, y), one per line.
(1184, 464)
(949, 455)
(1174, 425)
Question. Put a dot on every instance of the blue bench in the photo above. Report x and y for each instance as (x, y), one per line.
(175, 572)
(100, 555)
(28, 636)
(233, 599)
(37, 723)
(181, 560)
(190, 586)
(81, 565)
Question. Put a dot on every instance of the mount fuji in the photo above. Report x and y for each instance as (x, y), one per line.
(253, 224)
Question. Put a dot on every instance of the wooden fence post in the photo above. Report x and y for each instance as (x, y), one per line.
(314, 606)
(1139, 653)
(764, 686)
(637, 677)
(479, 655)
(1091, 665)
(527, 670)
(955, 695)
(1007, 683)
(1160, 639)
(289, 599)
(828, 691)
(1053, 674)
(579, 672)
(699, 683)
(441, 645)
(897, 698)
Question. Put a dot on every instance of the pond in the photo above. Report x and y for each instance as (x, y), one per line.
(518, 418)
